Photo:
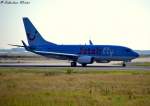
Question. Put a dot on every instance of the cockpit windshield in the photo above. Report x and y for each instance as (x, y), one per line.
(128, 50)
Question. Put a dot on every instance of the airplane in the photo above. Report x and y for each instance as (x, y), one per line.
(82, 54)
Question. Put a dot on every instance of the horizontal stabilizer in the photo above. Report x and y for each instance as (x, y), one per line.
(16, 45)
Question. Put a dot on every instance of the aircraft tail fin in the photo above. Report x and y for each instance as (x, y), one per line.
(33, 36)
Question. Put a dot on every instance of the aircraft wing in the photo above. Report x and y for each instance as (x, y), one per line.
(64, 55)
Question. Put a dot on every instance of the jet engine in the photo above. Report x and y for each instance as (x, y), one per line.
(85, 60)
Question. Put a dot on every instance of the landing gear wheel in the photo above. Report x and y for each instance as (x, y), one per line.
(124, 64)
(84, 65)
(73, 64)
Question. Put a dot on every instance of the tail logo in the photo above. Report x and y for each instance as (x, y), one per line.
(31, 37)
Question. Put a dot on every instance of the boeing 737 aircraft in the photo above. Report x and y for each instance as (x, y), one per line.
(82, 54)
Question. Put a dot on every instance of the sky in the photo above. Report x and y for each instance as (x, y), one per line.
(105, 22)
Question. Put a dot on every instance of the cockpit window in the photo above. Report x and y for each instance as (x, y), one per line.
(128, 50)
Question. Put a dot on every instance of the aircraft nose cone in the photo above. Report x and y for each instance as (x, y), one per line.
(136, 55)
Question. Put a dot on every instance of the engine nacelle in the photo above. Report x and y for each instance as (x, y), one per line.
(85, 60)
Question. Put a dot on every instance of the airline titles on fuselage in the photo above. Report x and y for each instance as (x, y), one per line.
(96, 51)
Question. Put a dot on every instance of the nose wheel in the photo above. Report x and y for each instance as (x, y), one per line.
(73, 64)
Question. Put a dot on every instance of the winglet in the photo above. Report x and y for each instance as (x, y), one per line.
(25, 46)
(90, 42)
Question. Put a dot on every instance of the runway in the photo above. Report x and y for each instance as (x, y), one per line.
(97, 67)
(33, 61)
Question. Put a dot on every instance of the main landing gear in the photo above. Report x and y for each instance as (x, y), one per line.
(84, 65)
(73, 64)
